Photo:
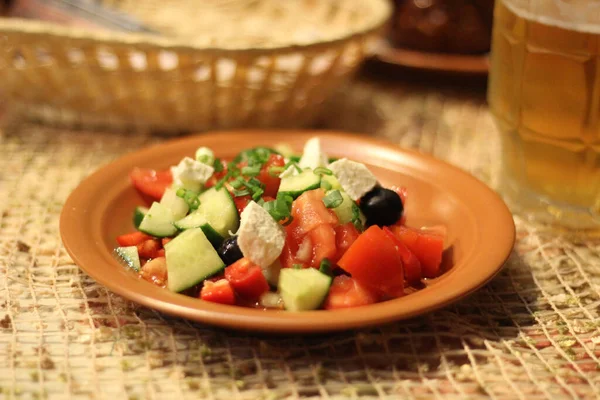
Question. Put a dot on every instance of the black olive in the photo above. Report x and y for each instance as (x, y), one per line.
(381, 206)
(230, 251)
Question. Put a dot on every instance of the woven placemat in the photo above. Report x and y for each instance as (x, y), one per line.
(531, 333)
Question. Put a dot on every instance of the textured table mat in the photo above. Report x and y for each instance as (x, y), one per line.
(533, 332)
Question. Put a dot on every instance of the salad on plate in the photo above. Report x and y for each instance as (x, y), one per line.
(271, 229)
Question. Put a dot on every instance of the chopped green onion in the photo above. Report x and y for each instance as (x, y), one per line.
(251, 171)
(297, 266)
(218, 165)
(240, 193)
(275, 171)
(256, 195)
(295, 158)
(333, 199)
(326, 185)
(358, 224)
(323, 171)
(238, 183)
(253, 182)
(325, 267)
(190, 197)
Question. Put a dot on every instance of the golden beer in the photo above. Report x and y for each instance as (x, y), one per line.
(544, 92)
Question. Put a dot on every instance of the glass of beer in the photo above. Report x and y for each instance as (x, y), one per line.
(544, 93)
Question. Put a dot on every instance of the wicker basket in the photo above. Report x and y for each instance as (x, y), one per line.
(217, 64)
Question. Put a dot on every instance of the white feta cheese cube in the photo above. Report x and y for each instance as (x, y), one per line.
(191, 171)
(260, 237)
(313, 155)
(354, 177)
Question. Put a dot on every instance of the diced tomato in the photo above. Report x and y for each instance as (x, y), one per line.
(345, 235)
(290, 248)
(160, 253)
(241, 202)
(346, 292)
(374, 261)
(149, 248)
(218, 292)
(246, 278)
(410, 262)
(155, 271)
(308, 209)
(323, 244)
(166, 240)
(132, 239)
(150, 182)
(271, 181)
(427, 246)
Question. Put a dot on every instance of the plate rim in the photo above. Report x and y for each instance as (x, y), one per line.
(471, 64)
(256, 320)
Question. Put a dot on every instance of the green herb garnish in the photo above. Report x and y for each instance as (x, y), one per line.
(356, 220)
(190, 197)
(333, 199)
(323, 171)
(280, 208)
(241, 193)
(297, 266)
(275, 171)
(251, 170)
(218, 165)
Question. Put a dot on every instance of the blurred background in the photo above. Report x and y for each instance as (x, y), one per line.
(180, 66)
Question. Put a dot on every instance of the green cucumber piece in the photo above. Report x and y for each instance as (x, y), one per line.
(138, 215)
(272, 272)
(158, 221)
(295, 185)
(176, 204)
(213, 236)
(216, 209)
(191, 258)
(129, 255)
(303, 289)
(330, 182)
(344, 210)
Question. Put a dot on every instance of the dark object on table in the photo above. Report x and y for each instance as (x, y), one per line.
(451, 26)
(85, 14)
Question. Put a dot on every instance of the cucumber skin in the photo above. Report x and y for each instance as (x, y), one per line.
(138, 215)
(297, 192)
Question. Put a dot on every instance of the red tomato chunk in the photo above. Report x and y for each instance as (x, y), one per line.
(427, 246)
(150, 182)
(218, 292)
(246, 279)
(374, 261)
(346, 292)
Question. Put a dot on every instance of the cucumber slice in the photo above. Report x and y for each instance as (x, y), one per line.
(129, 255)
(158, 221)
(216, 209)
(344, 210)
(190, 259)
(138, 215)
(176, 204)
(330, 182)
(303, 289)
(297, 184)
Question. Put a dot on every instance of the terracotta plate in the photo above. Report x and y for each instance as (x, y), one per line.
(477, 64)
(481, 232)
